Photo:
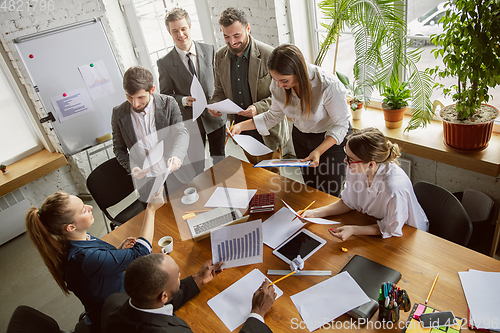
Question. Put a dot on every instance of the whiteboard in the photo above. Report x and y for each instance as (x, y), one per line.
(53, 67)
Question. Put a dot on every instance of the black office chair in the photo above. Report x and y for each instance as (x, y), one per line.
(109, 184)
(25, 319)
(447, 217)
(483, 213)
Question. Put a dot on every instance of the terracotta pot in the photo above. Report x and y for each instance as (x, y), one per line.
(468, 137)
(393, 118)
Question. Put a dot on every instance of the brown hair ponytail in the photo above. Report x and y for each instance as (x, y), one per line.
(369, 144)
(45, 228)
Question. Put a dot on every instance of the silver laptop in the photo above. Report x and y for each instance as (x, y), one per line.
(201, 225)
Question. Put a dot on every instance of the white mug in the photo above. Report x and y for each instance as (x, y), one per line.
(167, 244)
(190, 194)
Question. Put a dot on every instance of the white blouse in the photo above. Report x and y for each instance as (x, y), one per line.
(329, 110)
(390, 199)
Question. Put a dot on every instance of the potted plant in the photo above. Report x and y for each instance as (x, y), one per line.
(471, 54)
(3, 167)
(356, 99)
(381, 49)
(396, 96)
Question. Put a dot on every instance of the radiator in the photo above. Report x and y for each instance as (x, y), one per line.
(13, 209)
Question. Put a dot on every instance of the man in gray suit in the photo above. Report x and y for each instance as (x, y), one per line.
(177, 68)
(140, 124)
(241, 75)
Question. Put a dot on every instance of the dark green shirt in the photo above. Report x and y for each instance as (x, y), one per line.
(241, 89)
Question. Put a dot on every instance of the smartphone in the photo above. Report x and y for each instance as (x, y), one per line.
(437, 319)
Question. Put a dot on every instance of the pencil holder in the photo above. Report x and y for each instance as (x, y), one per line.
(388, 314)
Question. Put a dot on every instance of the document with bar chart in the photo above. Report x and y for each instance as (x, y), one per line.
(238, 245)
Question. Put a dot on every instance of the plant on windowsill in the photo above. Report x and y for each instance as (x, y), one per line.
(396, 96)
(381, 49)
(471, 53)
(3, 167)
(356, 99)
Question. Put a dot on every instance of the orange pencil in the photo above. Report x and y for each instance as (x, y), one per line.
(432, 288)
(230, 128)
(281, 278)
(303, 210)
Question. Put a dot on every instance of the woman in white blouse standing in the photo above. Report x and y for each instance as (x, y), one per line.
(377, 186)
(316, 102)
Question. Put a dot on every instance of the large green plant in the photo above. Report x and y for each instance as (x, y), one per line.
(470, 45)
(381, 49)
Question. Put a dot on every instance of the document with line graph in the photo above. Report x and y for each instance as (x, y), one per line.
(238, 245)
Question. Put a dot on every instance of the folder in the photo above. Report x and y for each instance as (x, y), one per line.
(369, 275)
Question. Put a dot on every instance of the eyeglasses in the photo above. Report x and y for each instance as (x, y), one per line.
(348, 159)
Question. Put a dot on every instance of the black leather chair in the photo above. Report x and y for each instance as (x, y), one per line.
(447, 217)
(109, 184)
(26, 319)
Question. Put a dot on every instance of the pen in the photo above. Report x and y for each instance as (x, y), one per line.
(303, 210)
(281, 278)
(230, 128)
(432, 288)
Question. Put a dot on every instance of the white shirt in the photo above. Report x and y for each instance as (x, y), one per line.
(168, 310)
(144, 124)
(390, 199)
(184, 57)
(329, 110)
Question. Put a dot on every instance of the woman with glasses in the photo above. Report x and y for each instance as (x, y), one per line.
(377, 186)
(316, 102)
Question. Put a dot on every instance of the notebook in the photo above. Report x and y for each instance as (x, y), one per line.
(369, 275)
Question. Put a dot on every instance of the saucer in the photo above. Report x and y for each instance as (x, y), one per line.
(185, 201)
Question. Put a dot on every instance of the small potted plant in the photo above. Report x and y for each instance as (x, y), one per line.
(396, 96)
(356, 101)
(3, 167)
(471, 55)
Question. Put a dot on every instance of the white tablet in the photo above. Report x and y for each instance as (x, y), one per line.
(303, 242)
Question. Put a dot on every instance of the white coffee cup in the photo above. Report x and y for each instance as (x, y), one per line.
(167, 244)
(190, 194)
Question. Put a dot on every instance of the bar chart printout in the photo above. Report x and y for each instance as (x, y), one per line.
(238, 245)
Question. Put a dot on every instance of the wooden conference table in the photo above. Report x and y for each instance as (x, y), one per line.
(417, 255)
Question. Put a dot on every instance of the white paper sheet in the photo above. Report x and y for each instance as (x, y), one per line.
(154, 156)
(230, 197)
(234, 304)
(97, 79)
(201, 101)
(481, 290)
(279, 227)
(74, 104)
(282, 163)
(316, 220)
(328, 300)
(225, 106)
(159, 181)
(238, 245)
(251, 145)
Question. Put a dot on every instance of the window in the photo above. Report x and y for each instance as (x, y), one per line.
(146, 20)
(422, 18)
(19, 137)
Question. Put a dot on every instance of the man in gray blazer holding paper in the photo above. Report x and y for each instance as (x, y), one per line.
(177, 68)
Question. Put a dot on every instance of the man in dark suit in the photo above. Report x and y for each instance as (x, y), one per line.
(177, 68)
(140, 124)
(156, 291)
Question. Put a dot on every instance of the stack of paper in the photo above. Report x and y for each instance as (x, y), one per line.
(482, 290)
(230, 197)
